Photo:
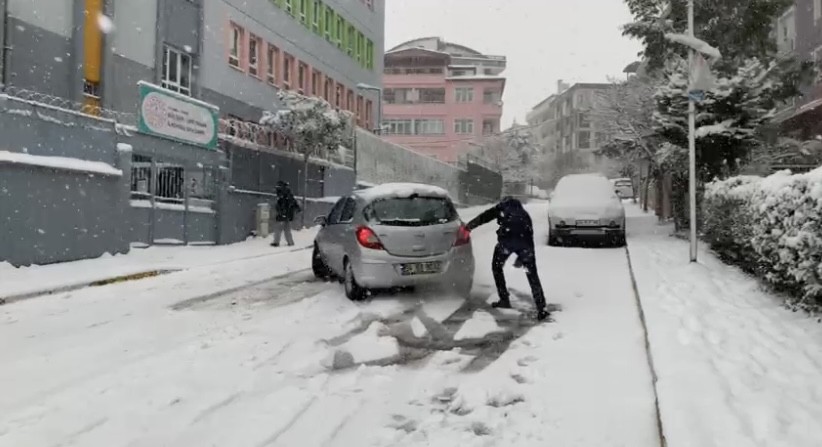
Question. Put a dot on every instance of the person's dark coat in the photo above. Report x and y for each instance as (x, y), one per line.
(286, 206)
(516, 230)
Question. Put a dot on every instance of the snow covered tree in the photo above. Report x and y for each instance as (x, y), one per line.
(312, 126)
(740, 29)
(514, 152)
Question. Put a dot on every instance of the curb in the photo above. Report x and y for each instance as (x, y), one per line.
(82, 285)
(654, 378)
(129, 277)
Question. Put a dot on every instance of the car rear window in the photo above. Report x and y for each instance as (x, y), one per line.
(623, 183)
(411, 211)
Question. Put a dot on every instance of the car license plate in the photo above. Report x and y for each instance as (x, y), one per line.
(421, 268)
(587, 223)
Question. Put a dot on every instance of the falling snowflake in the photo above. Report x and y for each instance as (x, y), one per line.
(105, 23)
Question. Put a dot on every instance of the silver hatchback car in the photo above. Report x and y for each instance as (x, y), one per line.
(391, 236)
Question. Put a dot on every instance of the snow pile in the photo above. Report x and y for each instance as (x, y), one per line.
(774, 228)
(695, 43)
(62, 163)
(480, 325)
(371, 346)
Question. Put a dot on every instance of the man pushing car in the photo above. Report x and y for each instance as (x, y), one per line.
(515, 235)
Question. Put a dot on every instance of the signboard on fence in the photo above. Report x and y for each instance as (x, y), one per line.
(171, 115)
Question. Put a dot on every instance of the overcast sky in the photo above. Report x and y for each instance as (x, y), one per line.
(544, 40)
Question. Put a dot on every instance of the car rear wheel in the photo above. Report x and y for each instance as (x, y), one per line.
(353, 291)
(318, 265)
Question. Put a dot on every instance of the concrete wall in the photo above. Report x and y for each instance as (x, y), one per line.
(379, 161)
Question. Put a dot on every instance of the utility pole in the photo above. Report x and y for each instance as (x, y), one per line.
(692, 141)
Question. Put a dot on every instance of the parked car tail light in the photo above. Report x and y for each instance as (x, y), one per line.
(368, 239)
(463, 236)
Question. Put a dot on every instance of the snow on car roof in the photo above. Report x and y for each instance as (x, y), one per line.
(585, 186)
(401, 190)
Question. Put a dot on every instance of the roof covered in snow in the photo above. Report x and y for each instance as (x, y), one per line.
(61, 163)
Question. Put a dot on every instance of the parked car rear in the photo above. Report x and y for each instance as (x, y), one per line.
(624, 188)
(585, 206)
(394, 235)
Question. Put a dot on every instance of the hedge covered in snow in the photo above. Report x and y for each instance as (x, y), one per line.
(771, 227)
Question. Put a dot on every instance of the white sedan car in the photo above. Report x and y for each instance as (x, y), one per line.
(585, 206)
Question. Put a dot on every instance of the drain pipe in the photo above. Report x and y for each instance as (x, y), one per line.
(6, 47)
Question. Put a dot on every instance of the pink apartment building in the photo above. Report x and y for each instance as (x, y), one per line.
(439, 96)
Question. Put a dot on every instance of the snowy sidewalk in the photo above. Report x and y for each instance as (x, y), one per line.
(734, 368)
(25, 282)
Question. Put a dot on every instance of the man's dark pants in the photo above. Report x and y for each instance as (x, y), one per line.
(525, 253)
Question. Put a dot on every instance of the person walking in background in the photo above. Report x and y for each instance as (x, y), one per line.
(515, 235)
(284, 210)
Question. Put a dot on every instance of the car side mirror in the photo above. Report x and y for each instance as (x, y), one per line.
(321, 221)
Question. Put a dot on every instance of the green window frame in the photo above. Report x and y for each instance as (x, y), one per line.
(361, 49)
(328, 23)
(339, 30)
(289, 7)
(352, 40)
(316, 17)
(303, 11)
(369, 54)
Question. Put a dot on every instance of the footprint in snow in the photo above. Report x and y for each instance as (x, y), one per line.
(525, 361)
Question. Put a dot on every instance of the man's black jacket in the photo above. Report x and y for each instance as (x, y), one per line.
(515, 226)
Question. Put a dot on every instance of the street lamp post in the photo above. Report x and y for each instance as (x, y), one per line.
(692, 142)
(373, 88)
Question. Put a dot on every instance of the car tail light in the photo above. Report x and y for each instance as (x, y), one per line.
(368, 239)
(463, 236)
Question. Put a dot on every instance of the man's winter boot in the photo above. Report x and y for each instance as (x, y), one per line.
(501, 304)
(274, 244)
(543, 314)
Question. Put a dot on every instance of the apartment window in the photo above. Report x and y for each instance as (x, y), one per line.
(464, 126)
(489, 126)
(316, 16)
(399, 127)
(584, 121)
(429, 127)
(465, 94)
(328, 23)
(302, 77)
(289, 6)
(328, 89)
(272, 64)
(235, 51)
(340, 31)
(352, 40)
(316, 83)
(254, 44)
(177, 71)
(432, 95)
(360, 48)
(584, 140)
(369, 54)
(349, 101)
(338, 95)
(360, 105)
(369, 114)
(288, 71)
(303, 11)
(490, 96)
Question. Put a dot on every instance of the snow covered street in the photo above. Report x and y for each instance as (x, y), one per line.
(287, 361)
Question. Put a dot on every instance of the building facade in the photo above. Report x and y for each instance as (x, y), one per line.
(564, 122)
(799, 33)
(235, 54)
(439, 96)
